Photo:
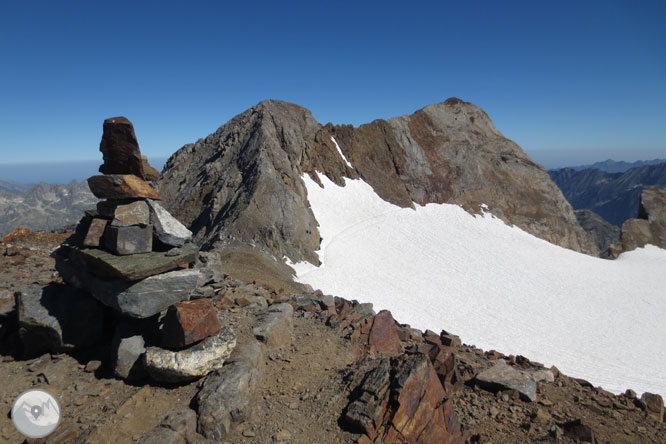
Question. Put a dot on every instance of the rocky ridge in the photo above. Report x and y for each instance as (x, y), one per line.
(44, 206)
(242, 184)
(648, 228)
(613, 196)
(335, 371)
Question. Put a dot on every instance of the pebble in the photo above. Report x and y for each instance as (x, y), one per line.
(249, 434)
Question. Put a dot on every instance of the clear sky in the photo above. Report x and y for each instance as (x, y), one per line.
(587, 78)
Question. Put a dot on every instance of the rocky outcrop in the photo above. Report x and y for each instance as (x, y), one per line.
(603, 233)
(649, 227)
(613, 196)
(243, 182)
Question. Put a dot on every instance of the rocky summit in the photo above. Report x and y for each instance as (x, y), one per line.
(243, 183)
(143, 337)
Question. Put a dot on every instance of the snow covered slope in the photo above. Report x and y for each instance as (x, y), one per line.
(497, 287)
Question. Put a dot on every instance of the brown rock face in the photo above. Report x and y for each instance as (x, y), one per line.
(121, 186)
(188, 322)
(401, 400)
(379, 334)
(120, 148)
(649, 227)
(243, 182)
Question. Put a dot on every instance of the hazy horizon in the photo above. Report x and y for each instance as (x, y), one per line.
(63, 172)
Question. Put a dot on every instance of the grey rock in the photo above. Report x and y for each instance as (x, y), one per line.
(167, 228)
(184, 422)
(603, 233)
(545, 375)
(129, 240)
(649, 227)
(137, 299)
(163, 435)
(57, 318)
(193, 362)
(210, 275)
(226, 398)
(135, 213)
(501, 376)
(324, 301)
(7, 303)
(275, 325)
(253, 354)
(364, 309)
(128, 348)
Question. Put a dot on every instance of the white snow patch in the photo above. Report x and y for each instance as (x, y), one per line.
(340, 151)
(498, 287)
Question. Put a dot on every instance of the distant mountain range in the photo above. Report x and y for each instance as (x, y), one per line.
(43, 206)
(615, 166)
(613, 196)
(14, 187)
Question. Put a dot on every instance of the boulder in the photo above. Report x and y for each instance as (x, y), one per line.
(225, 398)
(401, 400)
(95, 232)
(654, 406)
(379, 334)
(129, 240)
(502, 376)
(121, 186)
(57, 318)
(120, 148)
(193, 362)
(252, 354)
(135, 213)
(132, 267)
(163, 435)
(167, 228)
(275, 325)
(188, 322)
(137, 299)
(649, 227)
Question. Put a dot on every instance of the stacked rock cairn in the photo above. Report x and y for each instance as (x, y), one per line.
(131, 255)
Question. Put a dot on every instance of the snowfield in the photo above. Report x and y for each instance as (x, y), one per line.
(497, 287)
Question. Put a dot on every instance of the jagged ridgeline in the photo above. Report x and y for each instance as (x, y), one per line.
(242, 184)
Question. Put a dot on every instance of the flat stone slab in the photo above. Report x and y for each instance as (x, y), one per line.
(136, 266)
(502, 376)
(193, 362)
(121, 186)
(136, 299)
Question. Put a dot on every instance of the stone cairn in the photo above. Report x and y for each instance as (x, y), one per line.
(127, 270)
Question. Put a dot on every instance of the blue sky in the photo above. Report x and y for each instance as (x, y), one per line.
(585, 79)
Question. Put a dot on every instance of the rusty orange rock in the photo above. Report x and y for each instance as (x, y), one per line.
(121, 186)
(188, 322)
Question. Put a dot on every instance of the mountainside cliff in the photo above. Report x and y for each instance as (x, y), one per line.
(614, 196)
(243, 182)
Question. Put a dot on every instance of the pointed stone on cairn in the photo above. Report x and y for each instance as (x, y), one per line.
(130, 257)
